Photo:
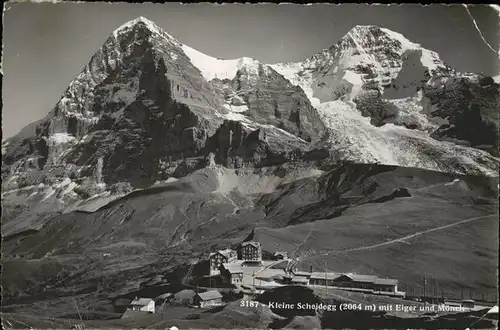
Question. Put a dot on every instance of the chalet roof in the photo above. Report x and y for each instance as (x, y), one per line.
(252, 243)
(386, 281)
(302, 273)
(225, 252)
(233, 268)
(140, 301)
(269, 273)
(362, 278)
(277, 253)
(210, 295)
(321, 275)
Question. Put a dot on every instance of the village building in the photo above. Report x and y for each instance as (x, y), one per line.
(232, 273)
(356, 282)
(385, 285)
(367, 282)
(279, 255)
(468, 303)
(270, 275)
(142, 305)
(251, 251)
(299, 280)
(208, 299)
(220, 257)
(302, 273)
(322, 278)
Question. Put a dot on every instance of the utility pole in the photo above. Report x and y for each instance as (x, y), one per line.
(425, 282)
(78, 310)
(326, 280)
(434, 292)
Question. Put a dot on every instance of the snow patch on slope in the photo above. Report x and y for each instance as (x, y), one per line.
(356, 81)
(60, 138)
(428, 59)
(236, 108)
(212, 68)
(297, 76)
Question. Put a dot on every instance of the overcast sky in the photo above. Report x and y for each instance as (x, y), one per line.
(47, 45)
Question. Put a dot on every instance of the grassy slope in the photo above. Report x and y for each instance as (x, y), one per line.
(460, 256)
(157, 231)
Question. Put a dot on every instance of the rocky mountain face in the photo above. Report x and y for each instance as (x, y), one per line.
(148, 108)
(140, 112)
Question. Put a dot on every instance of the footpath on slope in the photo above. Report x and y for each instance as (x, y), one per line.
(400, 240)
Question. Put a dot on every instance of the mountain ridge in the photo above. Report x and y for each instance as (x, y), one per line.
(144, 109)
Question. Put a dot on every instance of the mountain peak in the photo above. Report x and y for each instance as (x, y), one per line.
(364, 28)
(150, 25)
(373, 33)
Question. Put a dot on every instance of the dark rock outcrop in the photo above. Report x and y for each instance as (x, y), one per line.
(471, 106)
(235, 145)
(273, 100)
(371, 104)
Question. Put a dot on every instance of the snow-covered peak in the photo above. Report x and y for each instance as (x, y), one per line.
(376, 43)
(374, 34)
(130, 24)
(361, 32)
(212, 68)
(150, 25)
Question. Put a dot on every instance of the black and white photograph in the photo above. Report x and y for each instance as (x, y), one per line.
(236, 166)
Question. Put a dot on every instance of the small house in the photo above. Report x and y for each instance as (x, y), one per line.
(321, 278)
(208, 299)
(270, 275)
(220, 257)
(385, 285)
(355, 281)
(142, 305)
(279, 255)
(469, 303)
(251, 251)
(233, 273)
